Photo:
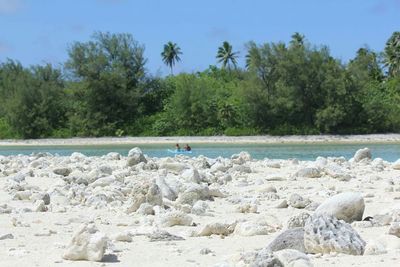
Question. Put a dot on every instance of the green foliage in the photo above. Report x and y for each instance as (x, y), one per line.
(34, 106)
(232, 131)
(111, 70)
(5, 130)
(286, 88)
(392, 55)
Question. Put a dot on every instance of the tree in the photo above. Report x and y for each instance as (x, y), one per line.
(35, 108)
(226, 56)
(297, 40)
(170, 55)
(110, 69)
(392, 55)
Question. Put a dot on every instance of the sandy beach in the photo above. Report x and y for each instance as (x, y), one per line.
(266, 139)
(180, 211)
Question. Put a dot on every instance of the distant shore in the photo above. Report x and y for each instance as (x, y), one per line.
(266, 139)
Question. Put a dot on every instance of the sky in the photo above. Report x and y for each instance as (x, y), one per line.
(40, 31)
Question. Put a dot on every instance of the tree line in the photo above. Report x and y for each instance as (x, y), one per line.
(104, 89)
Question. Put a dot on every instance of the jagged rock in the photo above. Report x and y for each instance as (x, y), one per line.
(395, 229)
(136, 201)
(199, 208)
(39, 206)
(86, 244)
(298, 202)
(154, 196)
(282, 205)
(298, 220)
(346, 206)
(113, 156)
(205, 251)
(135, 156)
(145, 209)
(335, 171)
(104, 181)
(289, 239)
(191, 175)
(64, 171)
(23, 195)
(193, 193)
(174, 218)
(6, 236)
(261, 258)
(252, 229)
(217, 229)
(308, 173)
(247, 208)
(241, 158)
(325, 234)
(161, 235)
(293, 258)
(241, 168)
(361, 154)
(174, 167)
(166, 190)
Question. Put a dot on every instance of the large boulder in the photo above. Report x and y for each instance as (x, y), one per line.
(348, 206)
(86, 244)
(289, 239)
(361, 154)
(326, 234)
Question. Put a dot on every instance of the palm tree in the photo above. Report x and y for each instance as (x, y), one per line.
(226, 56)
(392, 54)
(170, 55)
(297, 39)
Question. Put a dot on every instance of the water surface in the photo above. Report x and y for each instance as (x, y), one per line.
(389, 152)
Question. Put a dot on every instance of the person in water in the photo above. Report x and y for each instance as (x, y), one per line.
(187, 147)
(177, 147)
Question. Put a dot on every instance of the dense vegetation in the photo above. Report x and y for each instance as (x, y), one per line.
(296, 88)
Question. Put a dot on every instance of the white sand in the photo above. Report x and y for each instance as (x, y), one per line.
(372, 138)
(378, 179)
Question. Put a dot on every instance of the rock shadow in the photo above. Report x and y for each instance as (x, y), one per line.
(110, 258)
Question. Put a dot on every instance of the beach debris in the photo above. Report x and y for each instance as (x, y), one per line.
(86, 244)
(326, 234)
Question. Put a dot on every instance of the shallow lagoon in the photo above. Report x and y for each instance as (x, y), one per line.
(389, 152)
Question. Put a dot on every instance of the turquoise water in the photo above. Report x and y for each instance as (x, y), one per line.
(389, 152)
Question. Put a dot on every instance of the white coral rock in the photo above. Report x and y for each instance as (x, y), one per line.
(87, 244)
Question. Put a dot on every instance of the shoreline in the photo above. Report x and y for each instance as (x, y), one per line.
(265, 139)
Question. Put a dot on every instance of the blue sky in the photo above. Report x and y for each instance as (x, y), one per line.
(39, 31)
